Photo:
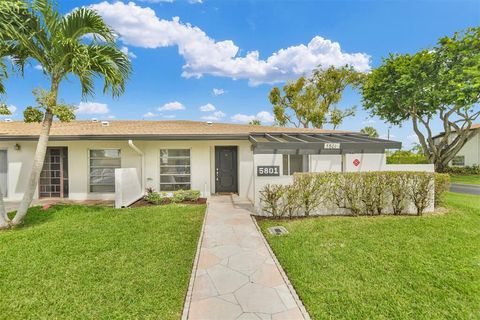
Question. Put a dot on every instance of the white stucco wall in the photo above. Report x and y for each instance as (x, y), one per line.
(202, 164)
(471, 149)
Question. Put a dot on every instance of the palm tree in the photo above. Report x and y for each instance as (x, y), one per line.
(371, 131)
(79, 43)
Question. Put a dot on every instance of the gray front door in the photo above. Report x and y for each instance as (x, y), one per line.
(226, 169)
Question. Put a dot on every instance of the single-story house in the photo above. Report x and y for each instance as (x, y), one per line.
(169, 155)
(469, 155)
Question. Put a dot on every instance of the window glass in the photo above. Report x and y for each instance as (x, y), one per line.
(175, 169)
(102, 169)
(294, 163)
(458, 161)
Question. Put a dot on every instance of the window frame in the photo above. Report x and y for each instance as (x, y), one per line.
(305, 159)
(89, 167)
(160, 174)
(459, 165)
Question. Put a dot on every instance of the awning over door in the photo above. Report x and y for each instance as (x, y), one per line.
(319, 143)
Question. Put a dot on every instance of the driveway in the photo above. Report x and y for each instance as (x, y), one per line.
(236, 276)
(465, 188)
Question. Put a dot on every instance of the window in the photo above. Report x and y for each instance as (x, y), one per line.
(103, 163)
(458, 161)
(294, 163)
(3, 172)
(175, 169)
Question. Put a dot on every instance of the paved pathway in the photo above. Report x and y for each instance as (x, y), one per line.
(236, 276)
(465, 188)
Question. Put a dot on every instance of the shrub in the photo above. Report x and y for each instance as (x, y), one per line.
(475, 169)
(290, 201)
(397, 185)
(406, 157)
(420, 188)
(179, 196)
(311, 191)
(192, 195)
(155, 197)
(270, 197)
(353, 193)
(442, 184)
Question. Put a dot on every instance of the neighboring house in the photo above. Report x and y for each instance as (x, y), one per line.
(169, 155)
(469, 155)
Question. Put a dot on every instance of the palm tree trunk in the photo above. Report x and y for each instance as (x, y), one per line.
(36, 168)
(4, 221)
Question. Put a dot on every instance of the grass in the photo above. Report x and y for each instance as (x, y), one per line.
(466, 179)
(98, 263)
(386, 267)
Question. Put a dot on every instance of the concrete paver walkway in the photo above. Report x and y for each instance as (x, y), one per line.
(236, 277)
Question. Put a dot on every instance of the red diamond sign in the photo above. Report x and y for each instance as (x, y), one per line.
(356, 162)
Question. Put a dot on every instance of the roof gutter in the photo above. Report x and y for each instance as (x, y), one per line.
(142, 156)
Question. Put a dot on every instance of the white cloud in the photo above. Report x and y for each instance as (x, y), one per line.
(218, 92)
(369, 121)
(92, 108)
(38, 67)
(149, 115)
(195, 1)
(111, 116)
(172, 106)
(216, 116)
(126, 51)
(207, 107)
(412, 138)
(263, 116)
(12, 108)
(140, 27)
(169, 116)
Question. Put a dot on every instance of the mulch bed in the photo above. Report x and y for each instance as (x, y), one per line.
(144, 203)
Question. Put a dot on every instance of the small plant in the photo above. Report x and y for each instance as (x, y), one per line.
(192, 195)
(178, 196)
(442, 184)
(475, 169)
(311, 189)
(155, 197)
(270, 197)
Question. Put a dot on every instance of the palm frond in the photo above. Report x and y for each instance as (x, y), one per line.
(84, 21)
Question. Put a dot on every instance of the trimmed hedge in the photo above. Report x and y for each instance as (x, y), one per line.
(365, 193)
(467, 170)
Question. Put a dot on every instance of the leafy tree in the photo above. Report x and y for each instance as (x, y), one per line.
(371, 131)
(255, 122)
(35, 30)
(311, 102)
(438, 85)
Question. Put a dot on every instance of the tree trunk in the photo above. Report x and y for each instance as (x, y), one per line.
(4, 221)
(36, 168)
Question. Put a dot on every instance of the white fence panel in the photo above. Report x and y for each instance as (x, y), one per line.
(127, 187)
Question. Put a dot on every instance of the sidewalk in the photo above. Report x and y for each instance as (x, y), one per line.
(236, 277)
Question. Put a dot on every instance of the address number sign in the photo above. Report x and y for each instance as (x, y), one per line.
(268, 171)
(331, 146)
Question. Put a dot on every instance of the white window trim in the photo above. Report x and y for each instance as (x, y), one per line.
(160, 183)
(88, 168)
(5, 192)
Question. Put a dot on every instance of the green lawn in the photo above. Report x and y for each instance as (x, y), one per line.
(467, 179)
(386, 267)
(98, 263)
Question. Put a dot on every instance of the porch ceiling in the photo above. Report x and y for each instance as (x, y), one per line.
(319, 143)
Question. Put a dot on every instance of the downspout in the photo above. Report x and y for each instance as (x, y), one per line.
(140, 153)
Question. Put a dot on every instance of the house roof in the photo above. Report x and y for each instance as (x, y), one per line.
(144, 129)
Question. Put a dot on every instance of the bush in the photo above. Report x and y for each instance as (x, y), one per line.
(397, 187)
(155, 197)
(420, 187)
(366, 193)
(310, 190)
(271, 196)
(442, 184)
(475, 169)
(406, 157)
(192, 195)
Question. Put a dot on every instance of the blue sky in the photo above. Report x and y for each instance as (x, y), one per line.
(242, 49)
